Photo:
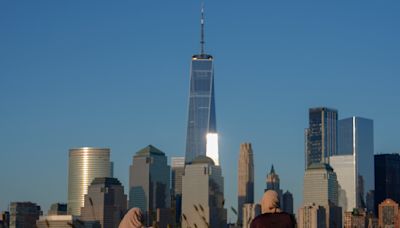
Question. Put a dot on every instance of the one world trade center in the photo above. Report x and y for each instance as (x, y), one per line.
(202, 137)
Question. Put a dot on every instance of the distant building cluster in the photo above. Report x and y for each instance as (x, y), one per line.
(345, 183)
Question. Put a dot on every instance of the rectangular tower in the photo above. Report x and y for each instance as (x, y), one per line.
(149, 182)
(245, 178)
(321, 138)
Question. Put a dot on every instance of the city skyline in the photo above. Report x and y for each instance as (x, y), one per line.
(70, 77)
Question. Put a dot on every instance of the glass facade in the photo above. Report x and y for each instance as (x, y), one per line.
(149, 182)
(321, 135)
(356, 138)
(201, 119)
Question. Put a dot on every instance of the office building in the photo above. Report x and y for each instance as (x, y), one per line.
(24, 214)
(370, 201)
(389, 215)
(202, 123)
(177, 170)
(149, 182)
(311, 216)
(345, 169)
(320, 185)
(356, 218)
(250, 211)
(387, 178)
(105, 202)
(85, 164)
(356, 141)
(287, 202)
(203, 194)
(321, 135)
(245, 178)
(273, 183)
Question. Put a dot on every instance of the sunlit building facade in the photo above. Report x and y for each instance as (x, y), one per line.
(203, 194)
(320, 185)
(245, 178)
(85, 164)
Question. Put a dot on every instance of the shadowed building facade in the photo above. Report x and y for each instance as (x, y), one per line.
(201, 116)
(105, 202)
(287, 202)
(203, 195)
(245, 178)
(177, 170)
(85, 164)
(24, 214)
(387, 178)
(149, 182)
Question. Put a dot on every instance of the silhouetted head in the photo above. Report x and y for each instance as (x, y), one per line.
(132, 219)
(270, 202)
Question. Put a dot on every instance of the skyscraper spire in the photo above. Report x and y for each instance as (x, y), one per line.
(202, 30)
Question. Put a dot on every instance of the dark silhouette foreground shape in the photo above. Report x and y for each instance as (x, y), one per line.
(272, 216)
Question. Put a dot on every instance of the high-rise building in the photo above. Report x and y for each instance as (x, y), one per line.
(387, 178)
(320, 185)
(105, 202)
(273, 181)
(321, 135)
(311, 216)
(203, 194)
(356, 142)
(389, 215)
(24, 214)
(85, 164)
(202, 125)
(250, 211)
(345, 169)
(245, 178)
(287, 202)
(177, 170)
(149, 182)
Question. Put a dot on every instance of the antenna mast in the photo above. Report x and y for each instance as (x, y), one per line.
(202, 30)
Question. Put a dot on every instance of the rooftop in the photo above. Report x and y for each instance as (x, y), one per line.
(149, 150)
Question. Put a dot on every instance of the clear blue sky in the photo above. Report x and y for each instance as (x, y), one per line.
(116, 74)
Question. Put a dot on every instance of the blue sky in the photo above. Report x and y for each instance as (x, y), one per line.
(116, 74)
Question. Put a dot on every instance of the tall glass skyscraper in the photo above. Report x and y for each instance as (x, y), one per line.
(321, 135)
(354, 162)
(201, 119)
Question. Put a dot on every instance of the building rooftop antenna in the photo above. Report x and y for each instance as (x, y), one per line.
(202, 30)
